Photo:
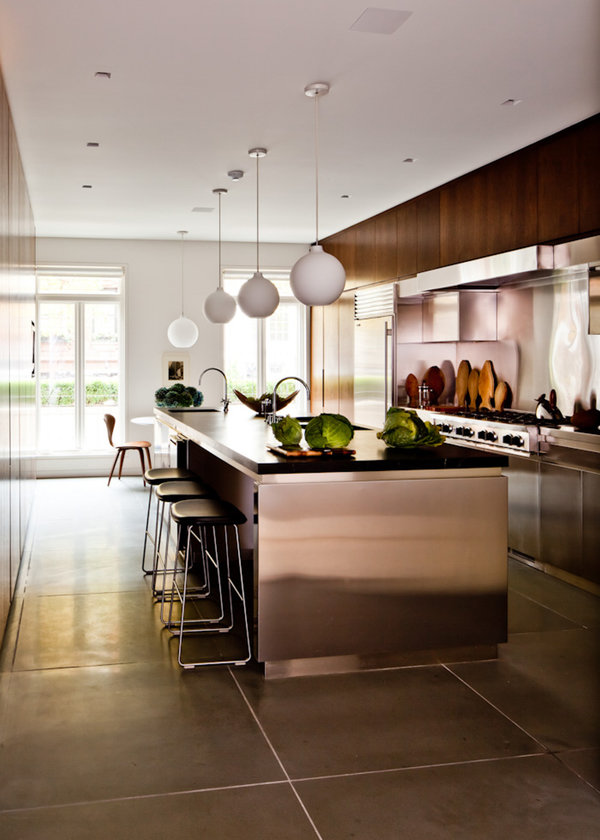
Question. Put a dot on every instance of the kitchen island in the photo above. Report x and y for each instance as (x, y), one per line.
(389, 557)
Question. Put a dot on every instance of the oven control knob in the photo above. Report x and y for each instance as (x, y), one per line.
(460, 430)
(482, 435)
(508, 439)
(467, 432)
(518, 440)
(491, 436)
(446, 428)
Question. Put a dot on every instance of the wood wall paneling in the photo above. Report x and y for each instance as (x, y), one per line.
(17, 392)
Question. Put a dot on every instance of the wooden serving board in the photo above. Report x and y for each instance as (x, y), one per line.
(487, 385)
(462, 381)
(412, 390)
(299, 452)
(435, 380)
(473, 388)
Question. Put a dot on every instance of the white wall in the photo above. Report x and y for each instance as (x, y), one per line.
(153, 278)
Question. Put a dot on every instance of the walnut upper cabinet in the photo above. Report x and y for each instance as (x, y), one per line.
(386, 246)
(588, 177)
(558, 211)
(428, 231)
(406, 237)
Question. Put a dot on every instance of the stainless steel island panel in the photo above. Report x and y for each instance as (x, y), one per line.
(374, 568)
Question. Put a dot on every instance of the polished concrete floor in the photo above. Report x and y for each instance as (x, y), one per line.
(104, 736)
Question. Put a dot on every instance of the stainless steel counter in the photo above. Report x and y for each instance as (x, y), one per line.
(380, 561)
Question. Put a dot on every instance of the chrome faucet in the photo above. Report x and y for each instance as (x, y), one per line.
(225, 400)
(270, 418)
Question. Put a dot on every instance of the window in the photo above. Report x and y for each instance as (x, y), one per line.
(79, 349)
(260, 351)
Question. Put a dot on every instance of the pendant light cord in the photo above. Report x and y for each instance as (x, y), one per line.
(220, 272)
(182, 235)
(316, 170)
(257, 239)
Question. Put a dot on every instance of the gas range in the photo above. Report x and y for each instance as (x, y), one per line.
(518, 432)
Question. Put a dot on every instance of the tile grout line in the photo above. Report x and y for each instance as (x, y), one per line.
(274, 751)
(550, 609)
(497, 709)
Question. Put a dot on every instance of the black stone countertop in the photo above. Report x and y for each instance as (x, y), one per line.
(242, 438)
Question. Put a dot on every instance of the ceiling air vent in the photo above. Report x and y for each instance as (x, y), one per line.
(375, 301)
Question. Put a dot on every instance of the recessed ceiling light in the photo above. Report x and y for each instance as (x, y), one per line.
(380, 21)
(409, 160)
(344, 196)
(92, 145)
(102, 74)
(202, 209)
(86, 186)
(511, 102)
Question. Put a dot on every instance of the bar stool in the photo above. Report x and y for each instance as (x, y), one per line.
(167, 493)
(152, 477)
(220, 519)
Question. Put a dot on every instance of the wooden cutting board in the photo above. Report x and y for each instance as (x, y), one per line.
(473, 388)
(435, 380)
(501, 396)
(412, 390)
(462, 382)
(487, 385)
(299, 452)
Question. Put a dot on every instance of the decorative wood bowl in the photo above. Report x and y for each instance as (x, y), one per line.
(256, 403)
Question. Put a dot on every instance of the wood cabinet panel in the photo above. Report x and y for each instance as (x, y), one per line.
(510, 203)
(386, 246)
(558, 211)
(462, 219)
(365, 252)
(588, 176)
(406, 233)
(428, 231)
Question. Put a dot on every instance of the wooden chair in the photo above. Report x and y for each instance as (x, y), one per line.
(141, 446)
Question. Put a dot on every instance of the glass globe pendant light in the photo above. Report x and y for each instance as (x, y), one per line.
(182, 332)
(219, 307)
(258, 297)
(317, 278)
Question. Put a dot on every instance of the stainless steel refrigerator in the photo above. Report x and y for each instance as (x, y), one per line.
(374, 353)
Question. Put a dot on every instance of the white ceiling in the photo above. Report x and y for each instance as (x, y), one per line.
(196, 83)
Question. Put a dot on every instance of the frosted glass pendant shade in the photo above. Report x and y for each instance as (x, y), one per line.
(258, 297)
(317, 278)
(219, 307)
(182, 332)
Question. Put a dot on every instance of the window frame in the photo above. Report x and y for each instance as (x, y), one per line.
(79, 299)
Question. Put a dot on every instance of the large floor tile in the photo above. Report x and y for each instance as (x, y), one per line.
(527, 616)
(548, 683)
(64, 631)
(378, 720)
(253, 813)
(573, 603)
(525, 798)
(81, 734)
(585, 763)
(80, 566)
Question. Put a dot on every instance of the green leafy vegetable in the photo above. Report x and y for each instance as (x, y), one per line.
(178, 396)
(288, 431)
(404, 428)
(328, 431)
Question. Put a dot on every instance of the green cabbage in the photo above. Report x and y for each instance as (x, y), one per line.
(288, 431)
(404, 428)
(328, 431)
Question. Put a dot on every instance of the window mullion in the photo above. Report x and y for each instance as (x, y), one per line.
(80, 372)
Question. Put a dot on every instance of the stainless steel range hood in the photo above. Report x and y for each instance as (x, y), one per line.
(531, 264)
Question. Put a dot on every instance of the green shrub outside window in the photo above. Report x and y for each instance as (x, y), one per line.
(63, 393)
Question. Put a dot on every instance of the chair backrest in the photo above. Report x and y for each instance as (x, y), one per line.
(110, 426)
